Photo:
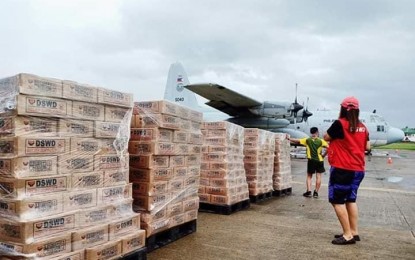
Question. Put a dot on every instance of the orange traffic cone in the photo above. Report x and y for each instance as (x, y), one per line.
(390, 160)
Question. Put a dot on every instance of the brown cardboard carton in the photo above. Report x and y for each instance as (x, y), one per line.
(174, 209)
(116, 114)
(83, 146)
(94, 216)
(176, 184)
(155, 227)
(112, 97)
(106, 129)
(152, 216)
(191, 204)
(87, 180)
(33, 166)
(32, 207)
(121, 227)
(28, 125)
(42, 145)
(80, 199)
(29, 231)
(75, 128)
(150, 175)
(177, 220)
(151, 202)
(179, 172)
(191, 215)
(89, 237)
(108, 195)
(108, 251)
(43, 106)
(88, 111)
(115, 177)
(76, 255)
(177, 161)
(151, 148)
(149, 161)
(122, 208)
(18, 188)
(150, 188)
(48, 248)
(110, 162)
(181, 136)
(157, 120)
(134, 241)
(219, 199)
(75, 163)
(151, 134)
(34, 85)
(82, 92)
(156, 107)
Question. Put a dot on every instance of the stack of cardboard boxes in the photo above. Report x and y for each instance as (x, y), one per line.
(223, 179)
(64, 189)
(259, 149)
(165, 155)
(282, 178)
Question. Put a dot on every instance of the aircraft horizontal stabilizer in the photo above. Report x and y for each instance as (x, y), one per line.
(225, 100)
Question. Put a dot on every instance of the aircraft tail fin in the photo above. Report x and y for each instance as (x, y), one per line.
(175, 91)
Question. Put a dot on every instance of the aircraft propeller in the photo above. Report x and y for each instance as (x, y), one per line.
(295, 106)
(306, 113)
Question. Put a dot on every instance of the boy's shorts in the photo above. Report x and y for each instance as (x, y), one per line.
(343, 185)
(314, 166)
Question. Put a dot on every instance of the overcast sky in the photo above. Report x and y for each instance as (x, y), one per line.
(332, 49)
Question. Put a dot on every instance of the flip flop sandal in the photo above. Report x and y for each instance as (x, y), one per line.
(342, 241)
(356, 237)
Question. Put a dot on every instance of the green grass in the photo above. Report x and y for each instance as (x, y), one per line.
(400, 146)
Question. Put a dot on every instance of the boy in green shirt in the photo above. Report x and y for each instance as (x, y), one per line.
(315, 163)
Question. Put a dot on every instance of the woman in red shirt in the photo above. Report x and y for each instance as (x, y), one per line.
(349, 138)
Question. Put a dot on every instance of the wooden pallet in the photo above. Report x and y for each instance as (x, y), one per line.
(284, 192)
(260, 197)
(140, 254)
(224, 209)
(170, 235)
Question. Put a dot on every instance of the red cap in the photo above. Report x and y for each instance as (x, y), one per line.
(350, 103)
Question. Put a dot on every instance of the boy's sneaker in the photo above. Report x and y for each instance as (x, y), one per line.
(307, 194)
(315, 194)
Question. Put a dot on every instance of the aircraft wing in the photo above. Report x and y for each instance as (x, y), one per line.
(225, 100)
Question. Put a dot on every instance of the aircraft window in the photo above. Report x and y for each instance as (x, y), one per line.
(381, 128)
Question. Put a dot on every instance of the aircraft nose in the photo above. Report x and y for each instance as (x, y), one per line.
(395, 135)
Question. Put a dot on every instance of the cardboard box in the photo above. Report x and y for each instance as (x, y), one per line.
(75, 91)
(191, 215)
(75, 128)
(76, 255)
(156, 107)
(87, 180)
(150, 188)
(191, 204)
(88, 111)
(157, 120)
(151, 202)
(29, 231)
(95, 215)
(80, 199)
(34, 85)
(176, 184)
(177, 161)
(106, 129)
(122, 226)
(28, 125)
(75, 163)
(192, 160)
(149, 161)
(112, 97)
(151, 134)
(154, 215)
(122, 208)
(108, 251)
(111, 162)
(116, 114)
(32, 207)
(156, 227)
(21, 167)
(28, 146)
(48, 248)
(151, 148)
(181, 136)
(25, 187)
(133, 241)
(219, 199)
(89, 237)
(150, 175)
(82, 146)
(179, 172)
(115, 177)
(43, 106)
(108, 195)
(174, 209)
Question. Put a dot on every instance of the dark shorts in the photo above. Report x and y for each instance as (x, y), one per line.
(343, 185)
(314, 166)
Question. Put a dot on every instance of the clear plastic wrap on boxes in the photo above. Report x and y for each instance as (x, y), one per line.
(223, 179)
(282, 178)
(165, 159)
(64, 166)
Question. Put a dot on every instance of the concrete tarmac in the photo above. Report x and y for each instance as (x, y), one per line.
(295, 227)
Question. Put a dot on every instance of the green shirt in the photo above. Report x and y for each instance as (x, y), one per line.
(314, 147)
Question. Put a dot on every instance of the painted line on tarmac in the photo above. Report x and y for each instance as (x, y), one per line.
(369, 188)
